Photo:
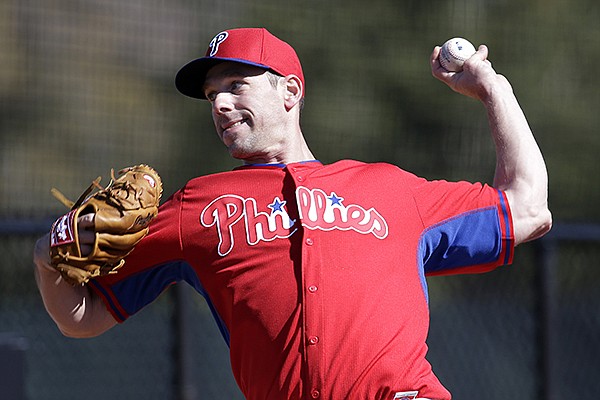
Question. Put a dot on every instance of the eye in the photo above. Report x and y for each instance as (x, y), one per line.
(236, 86)
(210, 96)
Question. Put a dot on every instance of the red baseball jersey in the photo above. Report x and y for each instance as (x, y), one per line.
(316, 273)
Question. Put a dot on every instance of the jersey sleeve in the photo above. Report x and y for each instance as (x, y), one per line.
(155, 264)
(467, 227)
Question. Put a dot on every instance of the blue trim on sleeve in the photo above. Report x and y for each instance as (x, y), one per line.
(507, 224)
(139, 290)
(470, 239)
(109, 299)
(423, 280)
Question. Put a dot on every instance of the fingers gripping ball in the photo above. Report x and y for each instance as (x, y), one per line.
(454, 53)
(122, 213)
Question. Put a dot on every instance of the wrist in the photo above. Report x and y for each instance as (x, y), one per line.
(496, 90)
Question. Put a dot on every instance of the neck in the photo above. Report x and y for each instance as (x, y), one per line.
(287, 156)
(291, 151)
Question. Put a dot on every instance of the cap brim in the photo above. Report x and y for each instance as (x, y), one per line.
(190, 78)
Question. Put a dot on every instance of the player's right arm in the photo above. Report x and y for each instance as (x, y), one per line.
(77, 311)
(520, 169)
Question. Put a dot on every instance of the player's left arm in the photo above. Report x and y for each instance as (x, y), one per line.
(520, 168)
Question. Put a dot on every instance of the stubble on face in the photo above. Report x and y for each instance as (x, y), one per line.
(246, 110)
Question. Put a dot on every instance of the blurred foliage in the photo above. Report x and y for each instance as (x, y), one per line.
(86, 86)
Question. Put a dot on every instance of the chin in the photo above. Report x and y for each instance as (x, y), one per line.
(238, 153)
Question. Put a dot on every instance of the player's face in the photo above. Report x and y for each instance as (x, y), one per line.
(247, 109)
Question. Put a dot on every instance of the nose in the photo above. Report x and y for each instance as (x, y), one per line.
(222, 103)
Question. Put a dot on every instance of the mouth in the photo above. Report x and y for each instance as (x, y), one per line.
(232, 124)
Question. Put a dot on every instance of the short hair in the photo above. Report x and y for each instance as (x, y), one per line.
(274, 79)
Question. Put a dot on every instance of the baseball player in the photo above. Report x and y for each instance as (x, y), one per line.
(315, 273)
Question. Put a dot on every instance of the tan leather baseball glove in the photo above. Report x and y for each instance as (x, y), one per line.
(122, 213)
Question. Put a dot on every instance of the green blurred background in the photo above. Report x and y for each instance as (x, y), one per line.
(86, 86)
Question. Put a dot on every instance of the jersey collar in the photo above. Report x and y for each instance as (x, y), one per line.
(307, 163)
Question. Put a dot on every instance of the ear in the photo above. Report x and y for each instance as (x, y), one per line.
(293, 91)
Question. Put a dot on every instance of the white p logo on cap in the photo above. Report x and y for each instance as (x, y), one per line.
(215, 42)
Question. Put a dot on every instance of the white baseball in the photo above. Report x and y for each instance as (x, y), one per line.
(454, 53)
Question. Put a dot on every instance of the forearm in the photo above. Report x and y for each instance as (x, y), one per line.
(76, 310)
(520, 167)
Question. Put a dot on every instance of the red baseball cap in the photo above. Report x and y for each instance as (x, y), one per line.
(252, 46)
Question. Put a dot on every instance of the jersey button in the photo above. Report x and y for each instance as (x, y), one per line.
(300, 179)
(315, 394)
(312, 288)
(313, 340)
(309, 241)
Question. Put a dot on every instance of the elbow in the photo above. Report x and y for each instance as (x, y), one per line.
(531, 215)
(547, 222)
(71, 328)
(534, 226)
(71, 334)
(77, 334)
(81, 329)
(543, 224)
(81, 322)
